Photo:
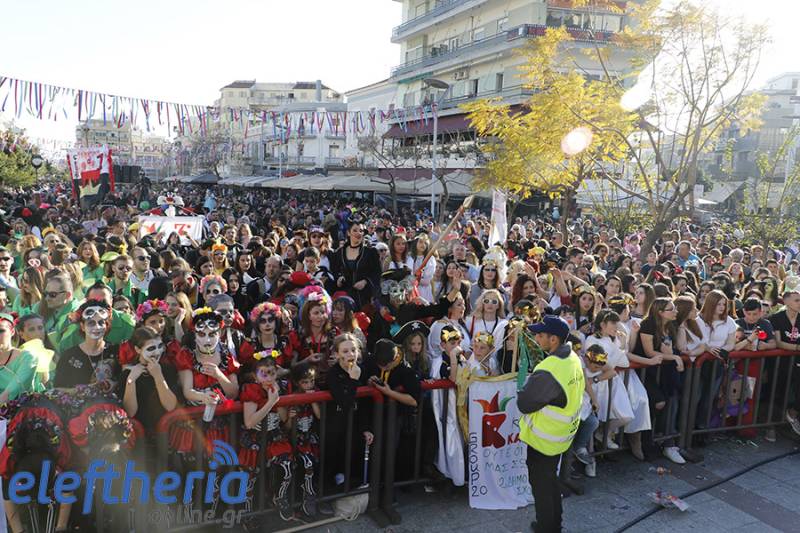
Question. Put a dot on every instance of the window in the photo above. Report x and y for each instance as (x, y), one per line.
(421, 9)
(472, 87)
(242, 94)
(452, 44)
(794, 84)
(478, 34)
(502, 24)
(333, 150)
(498, 82)
(412, 54)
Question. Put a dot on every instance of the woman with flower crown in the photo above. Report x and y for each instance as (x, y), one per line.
(312, 344)
(266, 320)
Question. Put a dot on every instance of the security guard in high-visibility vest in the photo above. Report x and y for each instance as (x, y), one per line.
(550, 403)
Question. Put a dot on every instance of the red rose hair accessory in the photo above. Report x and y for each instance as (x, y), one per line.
(658, 275)
(363, 320)
(150, 307)
(762, 335)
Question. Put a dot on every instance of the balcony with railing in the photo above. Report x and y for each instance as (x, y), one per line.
(442, 8)
(334, 161)
(440, 54)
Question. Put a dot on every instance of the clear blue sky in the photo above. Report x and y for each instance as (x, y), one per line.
(181, 50)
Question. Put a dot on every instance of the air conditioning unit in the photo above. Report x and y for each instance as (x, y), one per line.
(462, 74)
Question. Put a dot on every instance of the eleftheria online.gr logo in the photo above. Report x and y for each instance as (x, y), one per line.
(167, 487)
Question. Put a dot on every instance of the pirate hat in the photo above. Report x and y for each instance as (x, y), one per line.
(396, 274)
(410, 328)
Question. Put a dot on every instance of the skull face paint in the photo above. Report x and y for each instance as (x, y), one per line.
(152, 350)
(207, 336)
(95, 320)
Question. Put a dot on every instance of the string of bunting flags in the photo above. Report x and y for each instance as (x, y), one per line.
(45, 101)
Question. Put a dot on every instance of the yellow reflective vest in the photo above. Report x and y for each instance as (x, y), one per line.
(551, 429)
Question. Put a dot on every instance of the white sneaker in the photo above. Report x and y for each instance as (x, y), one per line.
(673, 454)
(582, 455)
(794, 422)
(591, 469)
(771, 436)
(611, 445)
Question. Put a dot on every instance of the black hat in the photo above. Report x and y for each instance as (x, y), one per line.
(396, 274)
(410, 328)
(385, 351)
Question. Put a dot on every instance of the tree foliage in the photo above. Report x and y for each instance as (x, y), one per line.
(15, 160)
(525, 146)
(768, 216)
(687, 78)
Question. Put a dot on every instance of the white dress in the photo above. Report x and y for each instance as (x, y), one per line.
(435, 338)
(637, 395)
(621, 410)
(424, 288)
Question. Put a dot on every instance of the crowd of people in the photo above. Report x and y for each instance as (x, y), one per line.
(308, 292)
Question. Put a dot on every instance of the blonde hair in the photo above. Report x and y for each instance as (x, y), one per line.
(345, 337)
(501, 308)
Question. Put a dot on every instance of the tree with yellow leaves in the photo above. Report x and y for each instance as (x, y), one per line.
(641, 131)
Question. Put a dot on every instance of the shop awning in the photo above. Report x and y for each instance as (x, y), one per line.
(412, 128)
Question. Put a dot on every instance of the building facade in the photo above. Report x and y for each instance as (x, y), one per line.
(258, 148)
(128, 144)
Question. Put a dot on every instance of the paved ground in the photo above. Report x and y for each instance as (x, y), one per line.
(765, 499)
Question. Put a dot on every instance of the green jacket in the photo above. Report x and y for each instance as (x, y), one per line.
(56, 325)
(134, 295)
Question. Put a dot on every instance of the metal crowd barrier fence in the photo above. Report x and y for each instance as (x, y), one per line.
(186, 519)
(745, 391)
(761, 403)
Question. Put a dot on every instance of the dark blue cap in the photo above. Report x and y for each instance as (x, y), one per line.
(553, 325)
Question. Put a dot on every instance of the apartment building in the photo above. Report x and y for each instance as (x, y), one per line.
(472, 45)
(261, 147)
(128, 144)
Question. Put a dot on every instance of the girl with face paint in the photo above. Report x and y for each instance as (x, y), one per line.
(208, 375)
(150, 384)
(92, 361)
(260, 414)
(266, 320)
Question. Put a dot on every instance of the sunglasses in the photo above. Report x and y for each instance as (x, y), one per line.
(490, 270)
(143, 258)
(219, 254)
(490, 301)
(6, 258)
(125, 268)
(53, 294)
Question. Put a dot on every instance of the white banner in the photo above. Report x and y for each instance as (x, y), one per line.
(499, 228)
(185, 227)
(498, 472)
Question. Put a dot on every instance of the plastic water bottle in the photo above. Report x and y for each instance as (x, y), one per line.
(208, 413)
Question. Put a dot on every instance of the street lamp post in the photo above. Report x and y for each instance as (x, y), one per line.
(36, 162)
(436, 84)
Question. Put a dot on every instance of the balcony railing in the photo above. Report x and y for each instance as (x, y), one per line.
(334, 161)
(518, 32)
(443, 7)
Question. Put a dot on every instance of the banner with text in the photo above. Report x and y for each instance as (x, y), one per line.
(185, 227)
(498, 473)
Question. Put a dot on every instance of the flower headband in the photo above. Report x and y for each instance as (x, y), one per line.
(219, 247)
(202, 311)
(266, 307)
(151, 306)
(213, 278)
(258, 356)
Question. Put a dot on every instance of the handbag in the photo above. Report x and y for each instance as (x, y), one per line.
(350, 507)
